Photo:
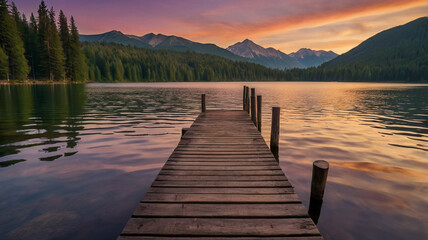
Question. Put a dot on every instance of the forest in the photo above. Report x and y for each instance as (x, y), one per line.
(110, 62)
(39, 48)
(361, 72)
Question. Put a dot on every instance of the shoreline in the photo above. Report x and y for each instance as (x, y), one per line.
(39, 82)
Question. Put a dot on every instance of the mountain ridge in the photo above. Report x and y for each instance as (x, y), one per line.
(400, 44)
(160, 41)
(269, 57)
(313, 58)
(397, 54)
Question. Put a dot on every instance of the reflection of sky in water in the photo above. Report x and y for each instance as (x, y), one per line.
(88, 162)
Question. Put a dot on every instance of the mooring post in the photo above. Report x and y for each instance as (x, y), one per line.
(274, 132)
(243, 98)
(253, 106)
(259, 113)
(183, 131)
(319, 180)
(203, 103)
(247, 95)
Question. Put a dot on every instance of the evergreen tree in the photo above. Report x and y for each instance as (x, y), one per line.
(78, 67)
(4, 65)
(64, 34)
(11, 43)
(56, 57)
(43, 50)
(33, 47)
(50, 54)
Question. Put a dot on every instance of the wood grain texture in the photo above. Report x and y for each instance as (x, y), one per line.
(220, 210)
(221, 182)
(217, 238)
(221, 226)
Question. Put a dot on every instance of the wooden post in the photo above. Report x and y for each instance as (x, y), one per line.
(244, 101)
(259, 113)
(274, 133)
(247, 94)
(203, 103)
(253, 106)
(319, 179)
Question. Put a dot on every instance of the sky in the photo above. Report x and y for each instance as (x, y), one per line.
(287, 25)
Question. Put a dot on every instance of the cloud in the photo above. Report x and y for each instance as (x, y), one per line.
(312, 14)
(225, 22)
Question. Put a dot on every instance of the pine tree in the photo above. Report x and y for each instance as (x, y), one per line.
(43, 50)
(56, 58)
(33, 47)
(64, 34)
(78, 67)
(11, 43)
(4, 65)
(50, 54)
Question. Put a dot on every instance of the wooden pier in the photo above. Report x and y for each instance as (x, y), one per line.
(221, 182)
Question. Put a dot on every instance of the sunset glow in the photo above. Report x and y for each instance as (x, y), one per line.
(285, 25)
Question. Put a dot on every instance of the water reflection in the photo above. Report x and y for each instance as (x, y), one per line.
(40, 116)
(314, 211)
(76, 159)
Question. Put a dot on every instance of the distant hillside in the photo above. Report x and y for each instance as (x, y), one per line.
(115, 37)
(397, 54)
(403, 45)
(159, 41)
(268, 57)
(312, 58)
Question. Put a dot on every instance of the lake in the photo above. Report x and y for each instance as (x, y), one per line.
(76, 159)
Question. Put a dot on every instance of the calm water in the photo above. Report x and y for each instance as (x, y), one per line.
(76, 159)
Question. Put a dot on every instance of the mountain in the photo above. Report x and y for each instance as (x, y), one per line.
(159, 41)
(268, 57)
(396, 54)
(115, 37)
(404, 46)
(312, 58)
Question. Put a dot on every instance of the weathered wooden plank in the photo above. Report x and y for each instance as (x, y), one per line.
(220, 168)
(222, 159)
(223, 163)
(218, 238)
(220, 178)
(220, 198)
(223, 141)
(221, 227)
(222, 173)
(222, 156)
(221, 149)
(227, 153)
(202, 183)
(219, 210)
(242, 191)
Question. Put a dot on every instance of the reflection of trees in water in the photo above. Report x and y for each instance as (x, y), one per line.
(43, 113)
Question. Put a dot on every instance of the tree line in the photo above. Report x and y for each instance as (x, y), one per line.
(111, 62)
(39, 48)
(362, 72)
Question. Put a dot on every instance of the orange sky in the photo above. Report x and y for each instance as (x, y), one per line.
(283, 24)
